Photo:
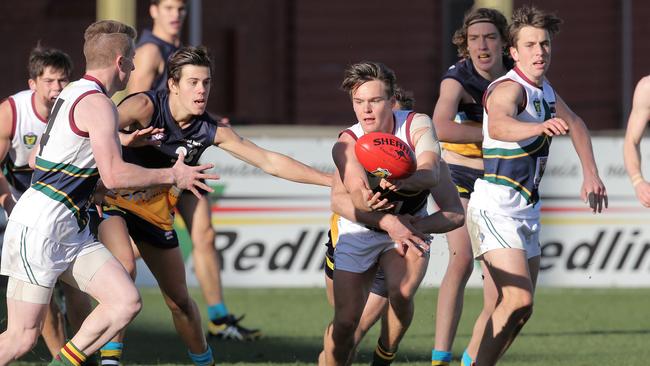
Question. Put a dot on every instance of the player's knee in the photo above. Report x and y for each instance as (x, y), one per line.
(204, 239)
(520, 305)
(129, 306)
(180, 304)
(23, 343)
(344, 329)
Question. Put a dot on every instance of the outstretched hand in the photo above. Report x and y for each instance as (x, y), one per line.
(191, 177)
(142, 137)
(401, 230)
(594, 193)
(642, 191)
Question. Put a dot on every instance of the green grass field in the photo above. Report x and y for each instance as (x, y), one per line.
(569, 327)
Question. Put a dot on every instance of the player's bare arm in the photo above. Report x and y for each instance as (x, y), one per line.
(134, 114)
(593, 190)
(451, 214)
(6, 125)
(451, 94)
(427, 152)
(351, 172)
(273, 163)
(148, 64)
(116, 173)
(502, 105)
(636, 124)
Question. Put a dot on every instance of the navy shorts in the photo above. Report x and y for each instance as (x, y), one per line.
(464, 178)
(142, 230)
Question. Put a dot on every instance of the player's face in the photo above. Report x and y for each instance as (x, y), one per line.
(193, 88)
(532, 53)
(485, 46)
(49, 85)
(169, 16)
(373, 107)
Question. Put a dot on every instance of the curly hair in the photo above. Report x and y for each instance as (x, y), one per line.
(479, 15)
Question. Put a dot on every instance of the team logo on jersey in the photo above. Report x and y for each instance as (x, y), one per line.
(538, 107)
(30, 139)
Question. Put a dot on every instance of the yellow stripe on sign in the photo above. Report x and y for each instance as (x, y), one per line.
(226, 221)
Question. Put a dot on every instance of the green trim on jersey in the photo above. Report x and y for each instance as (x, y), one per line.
(63, 198)
(69, 169)
(508, 182)
(502, 153)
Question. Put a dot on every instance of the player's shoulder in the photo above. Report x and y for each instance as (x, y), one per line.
(644, 84)
(148, 51)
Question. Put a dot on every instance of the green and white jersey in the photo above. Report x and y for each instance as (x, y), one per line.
(65, 175)
(513, 170)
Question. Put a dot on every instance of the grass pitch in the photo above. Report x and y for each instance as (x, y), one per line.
(568, 327)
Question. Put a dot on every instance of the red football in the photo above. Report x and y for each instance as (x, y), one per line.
(384, 155)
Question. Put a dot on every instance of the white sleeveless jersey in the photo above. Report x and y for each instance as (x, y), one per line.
(513, 170)
(414, 202)
(27, 126)
(65, 175)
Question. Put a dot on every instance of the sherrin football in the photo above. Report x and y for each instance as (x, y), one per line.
(385, 156)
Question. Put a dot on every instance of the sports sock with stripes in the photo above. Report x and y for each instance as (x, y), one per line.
(382, 357)
(202, 359)
(69, 355)
(440, 358)
(111, 353)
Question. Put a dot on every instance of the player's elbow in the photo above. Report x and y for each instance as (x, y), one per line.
(110, 182)
(456, 219)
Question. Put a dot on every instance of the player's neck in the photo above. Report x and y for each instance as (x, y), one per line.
(41, 106)
(170, 38)
(106, 79)
(179, 114)
(493, 73)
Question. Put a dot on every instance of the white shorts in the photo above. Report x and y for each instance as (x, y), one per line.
(489, 231)
(358, 248)
(29, 256)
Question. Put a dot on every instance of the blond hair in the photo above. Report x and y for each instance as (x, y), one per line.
(105, 40)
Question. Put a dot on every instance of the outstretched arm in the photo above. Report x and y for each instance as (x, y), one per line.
(636, 124)
(273, 163)
(593, 190)
(451, 93)
(114, 171)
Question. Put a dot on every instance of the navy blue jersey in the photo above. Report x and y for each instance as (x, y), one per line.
(166, 50)
(474, 84)
(192, 140)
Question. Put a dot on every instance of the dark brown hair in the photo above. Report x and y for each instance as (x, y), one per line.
(42, 57)
(529, 16)
(479, 15)
(197, 56)
(360, 73)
